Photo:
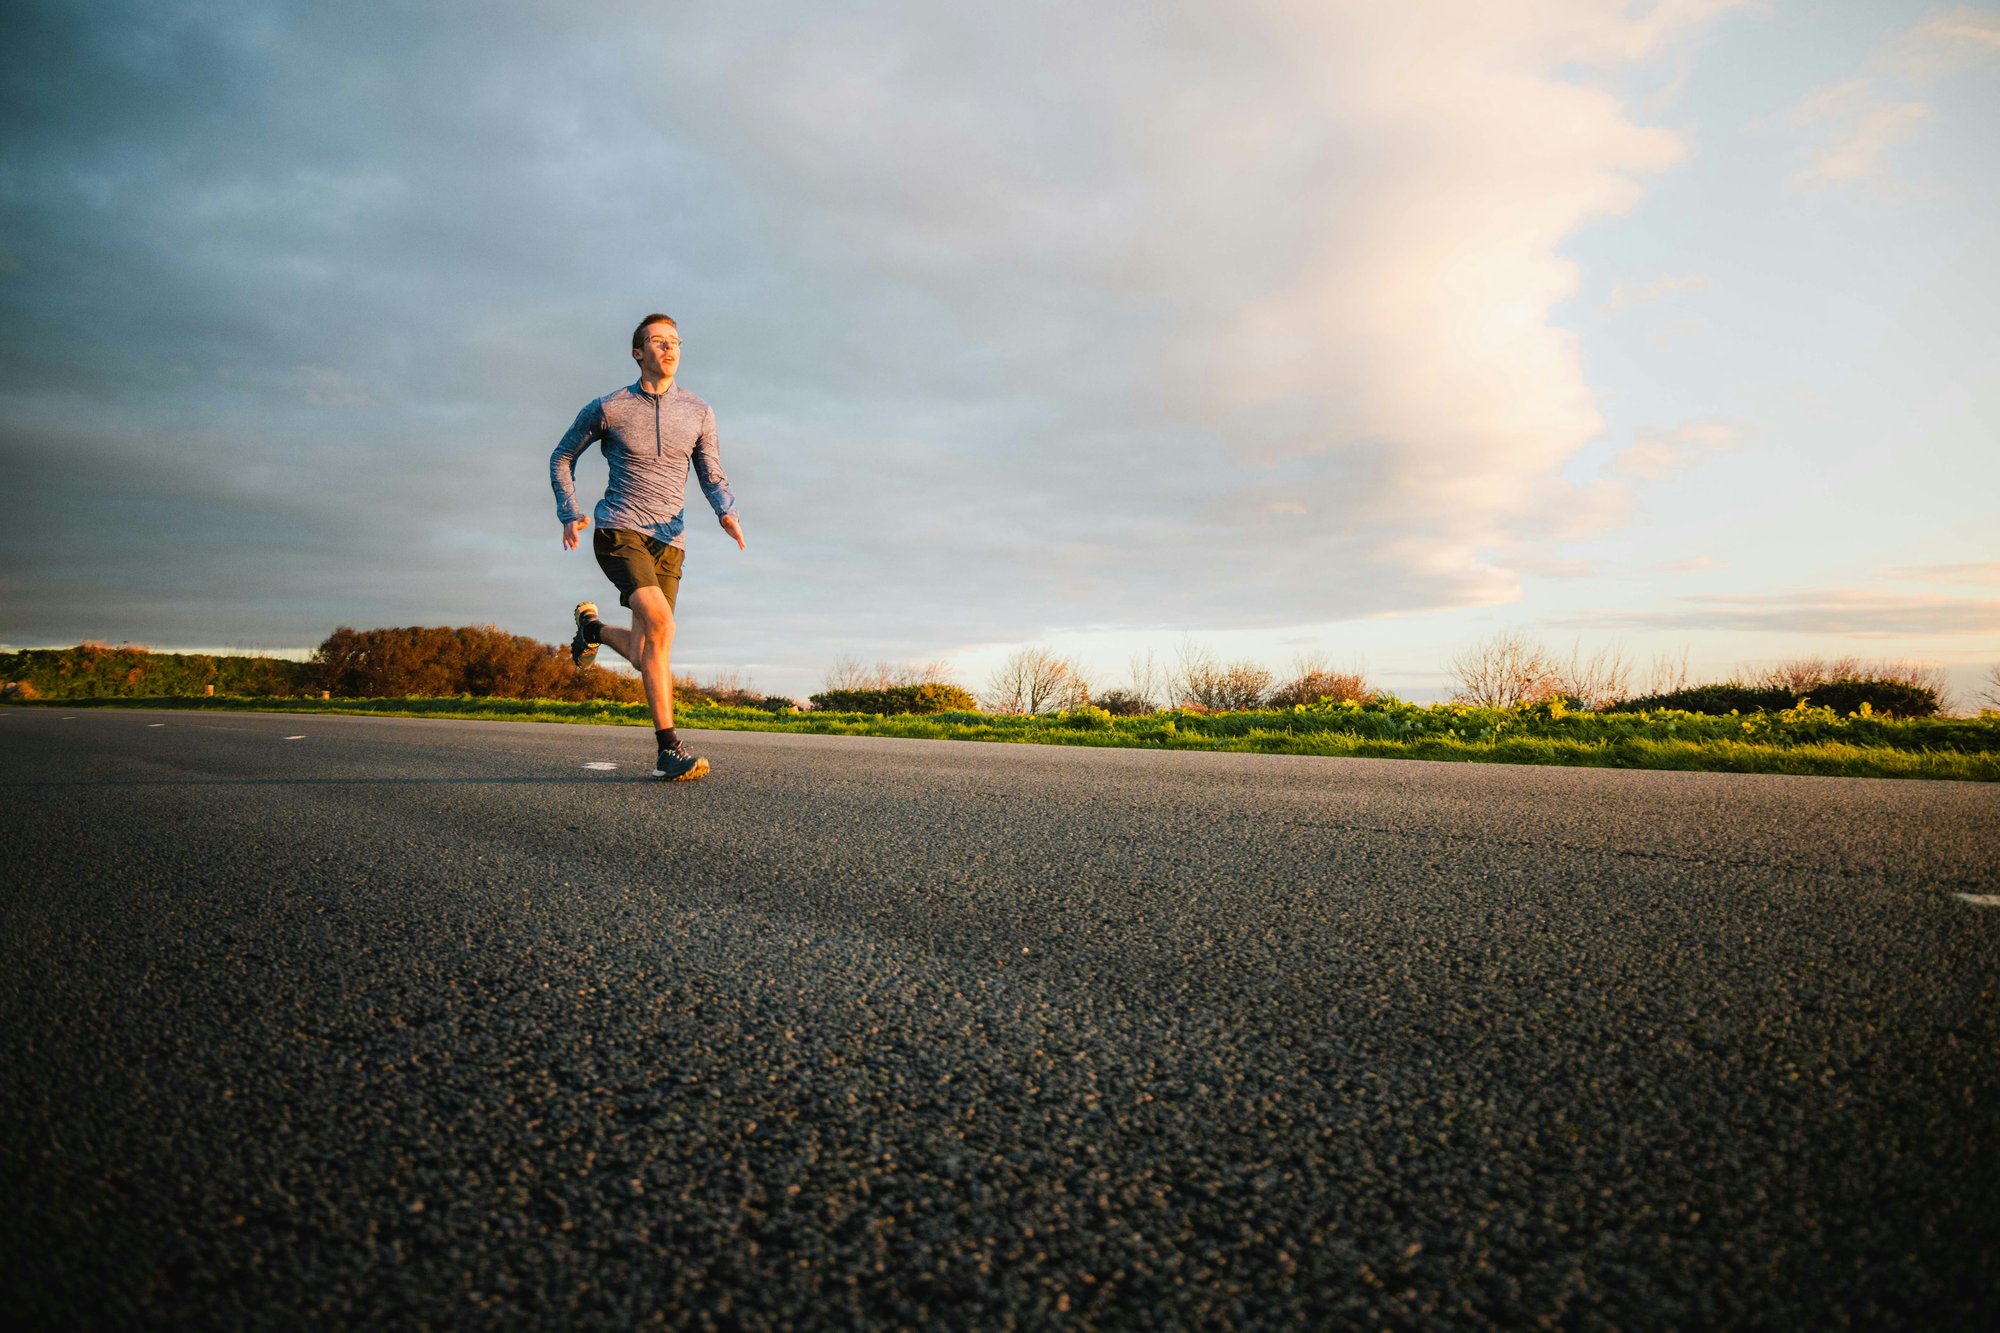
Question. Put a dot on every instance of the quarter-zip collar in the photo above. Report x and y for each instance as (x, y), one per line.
(639, 387)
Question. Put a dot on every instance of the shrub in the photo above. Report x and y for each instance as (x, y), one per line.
(1727, 697)
(930, 697)
(1227, 689)
(1810, 675)
(1314, 685)
(97, 670)
(1087, 718)
(1123, 703)
(1893, 698)
(439, 661)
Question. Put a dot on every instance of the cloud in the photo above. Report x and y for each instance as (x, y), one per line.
(1863, 123)
(1558, 569)
(1861, 614)
(1858, 153)
(1012, 319)
(1698, 564)
(1985, 572)
(1659, 289)
(1655, 453)
(1945, 45)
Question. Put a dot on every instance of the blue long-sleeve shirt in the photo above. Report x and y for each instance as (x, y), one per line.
(651, 443)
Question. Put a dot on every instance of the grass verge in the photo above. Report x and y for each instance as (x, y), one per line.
(1809, 741)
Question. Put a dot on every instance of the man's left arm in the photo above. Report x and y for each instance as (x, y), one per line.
(708, 471)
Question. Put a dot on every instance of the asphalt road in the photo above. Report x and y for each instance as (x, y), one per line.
(377, 1023)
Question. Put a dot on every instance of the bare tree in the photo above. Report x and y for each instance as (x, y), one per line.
(846, 673)
(1990, 695)
(1035, 680)
(1668, 673)
(849, 673)
(1597, 681)
(1201, 681)
(1151, 682)
(1802, 675)
(1505, 670)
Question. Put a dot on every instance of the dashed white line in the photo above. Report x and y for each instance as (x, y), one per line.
(156, 724)
(1979, 899)
(294, 738)
(601, 765)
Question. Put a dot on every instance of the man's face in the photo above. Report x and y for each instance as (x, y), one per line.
(658, 352)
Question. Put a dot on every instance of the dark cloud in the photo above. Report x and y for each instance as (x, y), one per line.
(298, 297)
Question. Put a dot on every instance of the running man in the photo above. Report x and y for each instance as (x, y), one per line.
(652, 432)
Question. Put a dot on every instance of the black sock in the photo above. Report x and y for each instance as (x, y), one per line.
(593, 630)
(666, 737)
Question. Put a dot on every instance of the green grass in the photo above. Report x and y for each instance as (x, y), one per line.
(1813, 741)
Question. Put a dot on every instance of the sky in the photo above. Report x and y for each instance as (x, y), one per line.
(1275, 328)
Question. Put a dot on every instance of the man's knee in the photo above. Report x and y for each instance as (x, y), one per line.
(653, 617)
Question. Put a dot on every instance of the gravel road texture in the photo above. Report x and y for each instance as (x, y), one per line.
(386, 1023)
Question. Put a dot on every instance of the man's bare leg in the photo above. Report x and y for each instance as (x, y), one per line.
(648, 645)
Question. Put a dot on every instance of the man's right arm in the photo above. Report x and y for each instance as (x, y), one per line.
(586, 430)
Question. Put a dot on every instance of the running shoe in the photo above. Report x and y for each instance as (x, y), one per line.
(583, 648)
(677, 765)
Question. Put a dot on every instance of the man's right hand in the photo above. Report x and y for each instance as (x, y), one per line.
(572, 531)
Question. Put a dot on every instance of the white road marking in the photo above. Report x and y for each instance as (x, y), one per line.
(1979, 899)
(294, 738)
(70, 718)
(600, 765)
(156, 724)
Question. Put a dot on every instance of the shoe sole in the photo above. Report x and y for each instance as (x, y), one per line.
(581, 653)
(699, 770)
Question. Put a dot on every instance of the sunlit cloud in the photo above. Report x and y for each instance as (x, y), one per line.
(1656, 453)
(1863, 122)
(1862, 614)
(1659, 289)
(1945, 45)
(1859, 152)
(1983, 572)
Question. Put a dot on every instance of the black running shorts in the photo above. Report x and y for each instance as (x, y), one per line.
(633, 560)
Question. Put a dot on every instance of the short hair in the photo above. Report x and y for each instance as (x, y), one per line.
(639, 334)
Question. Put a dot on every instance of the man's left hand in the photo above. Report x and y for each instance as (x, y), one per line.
(734, 529)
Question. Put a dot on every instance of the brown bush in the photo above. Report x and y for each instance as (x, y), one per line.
(1201, 681)
(481, 660)
(1313, 681)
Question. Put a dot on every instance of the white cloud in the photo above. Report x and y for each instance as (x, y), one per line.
(1655, 453)
(1624, 294)
(1985, 573)
(1858, 153)
(1945, 45)
(1296, 251)
(1863, 123)
(1857, 612)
